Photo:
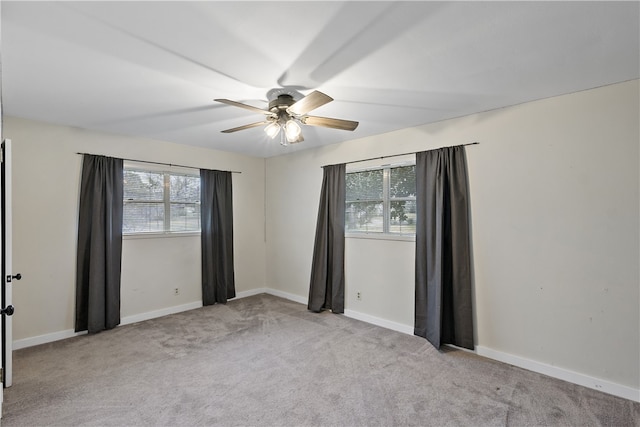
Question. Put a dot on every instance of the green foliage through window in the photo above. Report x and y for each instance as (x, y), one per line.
(160, 202)
(381, 200)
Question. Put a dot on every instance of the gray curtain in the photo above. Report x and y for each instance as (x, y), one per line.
(99, 244)
(326, 290)
(443, 267)
(216, 210)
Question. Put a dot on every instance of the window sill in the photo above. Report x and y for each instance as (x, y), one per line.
(159, 235)
(382, 236)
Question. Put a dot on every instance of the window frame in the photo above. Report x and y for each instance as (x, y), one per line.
(386, 203)
(167, 172)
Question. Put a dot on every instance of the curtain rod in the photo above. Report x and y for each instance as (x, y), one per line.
(403, 154)
(159, 163)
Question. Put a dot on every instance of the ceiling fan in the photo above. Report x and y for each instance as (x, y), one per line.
(286, 114)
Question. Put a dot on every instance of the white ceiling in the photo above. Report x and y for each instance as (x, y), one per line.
(152, 69)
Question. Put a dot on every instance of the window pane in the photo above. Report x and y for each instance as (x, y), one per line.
(185, 216)
(381, 200)
(364, 216)
(143, 217)
(366, 185)
(402, 216)
(402, 182)
(149, 208)
(140, 185)
(184, 188)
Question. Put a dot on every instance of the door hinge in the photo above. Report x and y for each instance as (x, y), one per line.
(1, 375)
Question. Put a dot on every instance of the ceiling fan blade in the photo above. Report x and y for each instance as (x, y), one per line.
(330, 123)
(245, 106)
(249, 126)
(310, 102)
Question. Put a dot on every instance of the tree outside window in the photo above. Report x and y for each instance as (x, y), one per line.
(381, 200)
(160, 202)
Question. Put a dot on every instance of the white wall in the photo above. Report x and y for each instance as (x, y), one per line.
(46, 181)
(554, 206)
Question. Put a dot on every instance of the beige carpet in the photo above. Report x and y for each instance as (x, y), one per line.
(265, 361)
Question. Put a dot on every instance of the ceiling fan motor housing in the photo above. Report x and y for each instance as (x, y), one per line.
(279, 108)
(282, 102)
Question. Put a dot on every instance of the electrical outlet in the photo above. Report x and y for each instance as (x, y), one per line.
(176, 291)
(359, 296)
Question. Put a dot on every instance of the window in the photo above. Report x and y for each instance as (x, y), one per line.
(160, 202)
(381, 200)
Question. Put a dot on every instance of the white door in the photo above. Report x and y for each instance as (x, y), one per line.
(2, 324)
(6, 309)
(1, 232)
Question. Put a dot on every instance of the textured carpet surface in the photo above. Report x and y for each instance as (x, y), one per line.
(265, 361)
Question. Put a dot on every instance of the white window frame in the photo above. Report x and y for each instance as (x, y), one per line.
(167, 171)
(409, 160)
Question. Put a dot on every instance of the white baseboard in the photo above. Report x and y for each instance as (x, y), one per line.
(562, 374)
(521, 362)
(348, 313)
(46, 338)
(394, 326)
(127, 320)
(287, 295)
(251, 293)
(531, 365)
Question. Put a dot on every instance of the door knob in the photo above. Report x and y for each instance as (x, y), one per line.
(10, 277)
(9, 310)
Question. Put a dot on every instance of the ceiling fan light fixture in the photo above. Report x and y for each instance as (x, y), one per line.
(292, 129)
(272, 129)
(283, 140)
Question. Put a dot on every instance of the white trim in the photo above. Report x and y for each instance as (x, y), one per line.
(561, 374)
(46, 338)
(7, 297)
(287, 295)
(127, 320)
(521, 362)
(388, 324)
(159, 235)
(394, 326)
(250, 293)
(380, 236)
(184, 307)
